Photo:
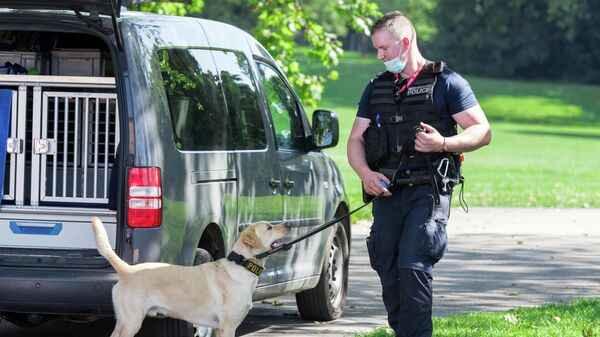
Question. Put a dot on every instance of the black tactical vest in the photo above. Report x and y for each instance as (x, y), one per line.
(400, 114)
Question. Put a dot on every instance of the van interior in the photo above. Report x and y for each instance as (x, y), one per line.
(63, 128)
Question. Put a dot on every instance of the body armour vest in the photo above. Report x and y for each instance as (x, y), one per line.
(397, 115)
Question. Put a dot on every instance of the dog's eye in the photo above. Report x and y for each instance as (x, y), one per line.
(269, 227)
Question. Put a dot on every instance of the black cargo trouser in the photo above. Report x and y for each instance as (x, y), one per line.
(407, 238)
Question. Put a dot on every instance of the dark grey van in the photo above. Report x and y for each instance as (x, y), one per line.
(177, 132)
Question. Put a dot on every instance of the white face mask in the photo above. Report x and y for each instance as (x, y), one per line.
(395, 65)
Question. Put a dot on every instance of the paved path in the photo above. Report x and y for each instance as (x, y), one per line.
(498, 259)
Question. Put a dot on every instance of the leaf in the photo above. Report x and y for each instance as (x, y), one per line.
(278, 26)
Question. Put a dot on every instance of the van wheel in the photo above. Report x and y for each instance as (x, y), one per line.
(166, 327)
(325, 302)
(202, 256)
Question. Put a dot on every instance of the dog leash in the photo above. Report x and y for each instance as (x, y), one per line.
(322, 227)
(289, 244)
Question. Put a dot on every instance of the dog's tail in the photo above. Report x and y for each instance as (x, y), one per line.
(105, 249)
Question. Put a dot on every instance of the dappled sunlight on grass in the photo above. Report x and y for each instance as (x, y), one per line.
(545, 140)
(553, 103)
(576, 319)
(531, 109)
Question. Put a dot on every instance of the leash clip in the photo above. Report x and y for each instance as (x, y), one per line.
(442, 170)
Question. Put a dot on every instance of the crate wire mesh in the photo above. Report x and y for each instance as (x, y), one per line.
(79, 130)
(66, 140)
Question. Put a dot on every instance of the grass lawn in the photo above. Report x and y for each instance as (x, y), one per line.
(545, 149)
(580, 318)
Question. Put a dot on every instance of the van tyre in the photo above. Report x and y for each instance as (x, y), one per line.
(166, 327)
(325, 302)
(202, 256)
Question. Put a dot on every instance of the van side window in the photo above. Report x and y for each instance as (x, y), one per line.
(283, 108)
(212, 107)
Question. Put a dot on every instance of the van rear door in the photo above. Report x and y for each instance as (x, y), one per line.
(106, 7)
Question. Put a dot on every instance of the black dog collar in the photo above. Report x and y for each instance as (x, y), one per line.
(242, 261)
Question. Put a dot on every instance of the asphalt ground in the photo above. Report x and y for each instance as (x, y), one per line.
(498, 259)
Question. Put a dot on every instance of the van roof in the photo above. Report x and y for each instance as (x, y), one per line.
(219, 34)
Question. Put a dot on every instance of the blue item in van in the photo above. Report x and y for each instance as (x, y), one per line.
(5, 103)
(13, 69)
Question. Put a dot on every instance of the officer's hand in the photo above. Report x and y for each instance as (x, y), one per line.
(373, 186)
(429, 140)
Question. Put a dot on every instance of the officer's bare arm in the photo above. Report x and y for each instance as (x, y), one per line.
(356, 158)
(476, 131)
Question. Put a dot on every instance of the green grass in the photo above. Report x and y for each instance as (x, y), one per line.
(580, 318)
(545, 149)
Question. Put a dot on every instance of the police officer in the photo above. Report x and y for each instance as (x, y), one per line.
(404, 136)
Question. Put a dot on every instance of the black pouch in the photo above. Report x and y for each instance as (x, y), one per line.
(376, 145)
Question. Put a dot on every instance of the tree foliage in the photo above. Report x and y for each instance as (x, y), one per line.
(519, 39)
(170, 7)
(282, 23)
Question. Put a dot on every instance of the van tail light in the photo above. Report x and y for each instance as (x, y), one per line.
(144, 197)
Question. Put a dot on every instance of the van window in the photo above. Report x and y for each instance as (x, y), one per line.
(284, 110)
(212, 107)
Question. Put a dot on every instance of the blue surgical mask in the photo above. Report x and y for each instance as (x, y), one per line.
(395, 65)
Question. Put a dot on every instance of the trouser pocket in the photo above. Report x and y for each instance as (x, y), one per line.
(371, 249)
(435, 238)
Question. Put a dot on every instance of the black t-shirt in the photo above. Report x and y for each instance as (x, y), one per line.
(452, 94)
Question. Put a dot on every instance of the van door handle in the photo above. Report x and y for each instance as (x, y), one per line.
(289, 183)
(274, 183)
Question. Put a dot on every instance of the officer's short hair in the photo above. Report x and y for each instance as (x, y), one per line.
(395, 22)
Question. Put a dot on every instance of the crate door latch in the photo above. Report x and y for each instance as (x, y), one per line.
(44, 146)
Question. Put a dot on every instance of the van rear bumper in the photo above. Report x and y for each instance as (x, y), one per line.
(57, 291)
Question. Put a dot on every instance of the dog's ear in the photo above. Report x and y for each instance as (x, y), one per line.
(250, 238)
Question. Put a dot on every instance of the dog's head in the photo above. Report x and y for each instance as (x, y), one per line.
(259, 237)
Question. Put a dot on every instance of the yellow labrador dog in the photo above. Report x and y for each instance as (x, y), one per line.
(215, 294)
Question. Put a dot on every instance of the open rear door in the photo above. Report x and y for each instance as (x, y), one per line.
(107, 7)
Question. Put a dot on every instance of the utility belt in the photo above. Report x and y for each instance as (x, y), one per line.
(407, 178)
(442, 173)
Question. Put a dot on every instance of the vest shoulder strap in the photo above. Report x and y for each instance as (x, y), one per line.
(383, 75)
(434, 67)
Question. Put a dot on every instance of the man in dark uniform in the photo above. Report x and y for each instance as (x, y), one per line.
(404, 136)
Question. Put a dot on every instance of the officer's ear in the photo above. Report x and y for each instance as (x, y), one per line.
(405, 43)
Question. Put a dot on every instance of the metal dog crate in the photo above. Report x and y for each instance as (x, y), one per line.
(62, 142)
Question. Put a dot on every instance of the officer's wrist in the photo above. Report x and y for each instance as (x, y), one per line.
(444, 149)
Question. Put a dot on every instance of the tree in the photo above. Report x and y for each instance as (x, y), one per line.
(519, 39)
(280, 22)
